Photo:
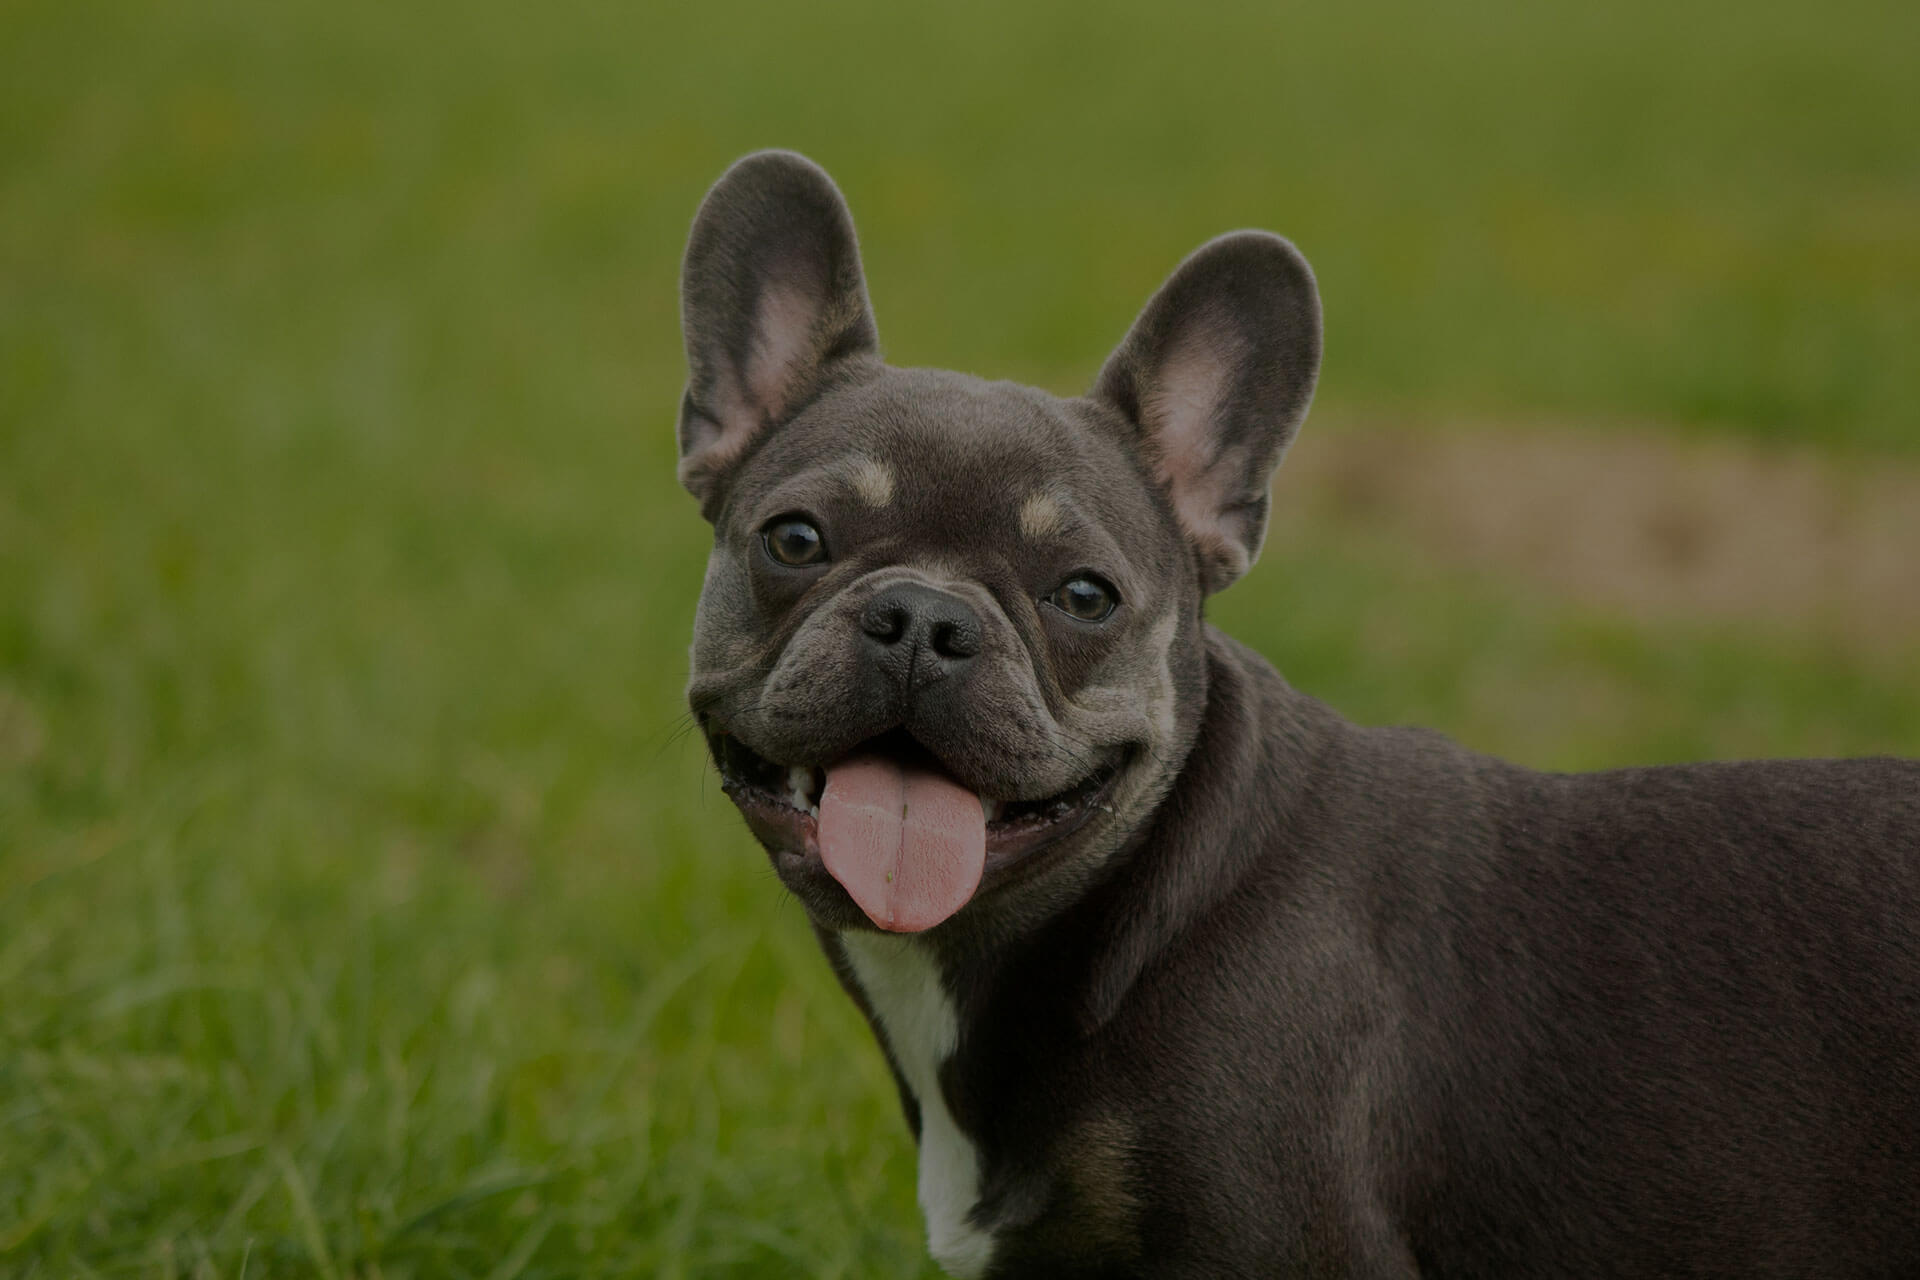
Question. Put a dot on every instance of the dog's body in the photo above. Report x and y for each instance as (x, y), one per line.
(1181, 974)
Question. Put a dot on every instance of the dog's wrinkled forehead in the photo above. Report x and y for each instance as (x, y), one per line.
(955, 462)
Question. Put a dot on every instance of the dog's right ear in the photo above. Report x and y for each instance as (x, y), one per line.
(771, 297)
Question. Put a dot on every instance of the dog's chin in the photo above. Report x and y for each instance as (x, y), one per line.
(781, 806)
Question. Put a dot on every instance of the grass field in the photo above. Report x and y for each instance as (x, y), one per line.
(365, 909)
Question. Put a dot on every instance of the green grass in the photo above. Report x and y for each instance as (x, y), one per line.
(364, 907)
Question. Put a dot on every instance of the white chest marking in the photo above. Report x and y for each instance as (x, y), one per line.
(902, 983)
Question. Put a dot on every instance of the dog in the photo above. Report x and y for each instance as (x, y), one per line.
(1179, 973)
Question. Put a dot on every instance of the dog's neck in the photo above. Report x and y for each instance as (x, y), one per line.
(1185, 858)
(996, 1000)
(1198, 847)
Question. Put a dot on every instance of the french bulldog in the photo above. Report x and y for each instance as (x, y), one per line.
(1179, 973)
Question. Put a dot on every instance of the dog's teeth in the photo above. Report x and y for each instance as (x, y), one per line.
(992, 807)
(798, 780)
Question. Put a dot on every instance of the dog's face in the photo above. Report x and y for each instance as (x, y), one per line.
(946, 654)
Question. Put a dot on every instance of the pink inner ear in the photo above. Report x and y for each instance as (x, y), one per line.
(1182, 412)
(782, 342)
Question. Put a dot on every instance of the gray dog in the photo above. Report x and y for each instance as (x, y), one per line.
(1180, 973)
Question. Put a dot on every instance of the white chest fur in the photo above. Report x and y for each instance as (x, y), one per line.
(902, 983)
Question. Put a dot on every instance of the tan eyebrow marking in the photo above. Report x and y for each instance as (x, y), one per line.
(1040, 515)
(873, 481)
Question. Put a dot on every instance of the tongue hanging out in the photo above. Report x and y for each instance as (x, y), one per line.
(907, 843)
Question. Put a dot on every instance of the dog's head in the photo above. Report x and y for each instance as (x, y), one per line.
(946, 657)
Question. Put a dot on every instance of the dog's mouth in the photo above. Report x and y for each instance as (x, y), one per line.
(906, 840)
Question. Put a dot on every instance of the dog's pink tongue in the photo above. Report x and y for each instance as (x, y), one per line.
(907, 843)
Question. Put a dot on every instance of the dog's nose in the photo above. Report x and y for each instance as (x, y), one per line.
(917, 633)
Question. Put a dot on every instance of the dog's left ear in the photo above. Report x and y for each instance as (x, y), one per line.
(1216, 375)
(771, 297)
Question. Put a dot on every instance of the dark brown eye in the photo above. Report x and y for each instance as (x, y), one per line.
(1086, 598)
(791, 541)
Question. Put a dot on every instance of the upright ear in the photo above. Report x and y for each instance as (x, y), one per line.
(1216, 374)
(771, 296)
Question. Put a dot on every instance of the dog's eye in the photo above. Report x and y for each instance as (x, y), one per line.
(794, 542)
(1085, 597)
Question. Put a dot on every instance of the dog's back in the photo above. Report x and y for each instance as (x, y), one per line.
(1673, 1026)
(1471, 1019)
(1643, 1022)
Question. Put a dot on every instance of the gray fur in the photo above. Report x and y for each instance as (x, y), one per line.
(1296, 997)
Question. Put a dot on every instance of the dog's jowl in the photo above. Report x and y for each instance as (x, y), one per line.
(1179, 973)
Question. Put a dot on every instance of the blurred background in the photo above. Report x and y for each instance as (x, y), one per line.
(366, 908)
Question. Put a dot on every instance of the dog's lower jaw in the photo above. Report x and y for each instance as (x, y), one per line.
(902, 985)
